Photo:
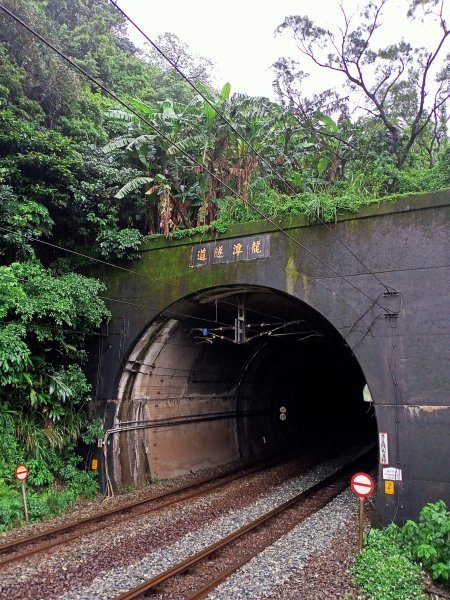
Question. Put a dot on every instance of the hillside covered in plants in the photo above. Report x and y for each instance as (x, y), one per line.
(82, 172)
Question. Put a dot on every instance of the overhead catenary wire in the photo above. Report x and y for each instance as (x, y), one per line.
(242, 137)
(162, 311)
(166, 311)
(137, 273)
(406, 269)
(175, 145)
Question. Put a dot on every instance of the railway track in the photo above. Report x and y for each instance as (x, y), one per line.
(25, 547)
(228, 556)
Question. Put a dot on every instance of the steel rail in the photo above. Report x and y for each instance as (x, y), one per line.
(340, 478)
(223, 575)
(221, 480)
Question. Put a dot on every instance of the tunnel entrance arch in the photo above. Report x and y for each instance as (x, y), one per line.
(398, 334)
(210, 377)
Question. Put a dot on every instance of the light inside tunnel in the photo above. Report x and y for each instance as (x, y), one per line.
(195, 393)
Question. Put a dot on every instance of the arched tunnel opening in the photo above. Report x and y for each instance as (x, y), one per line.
(230, 373)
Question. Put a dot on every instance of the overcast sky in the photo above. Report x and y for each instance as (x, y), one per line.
(238, 35)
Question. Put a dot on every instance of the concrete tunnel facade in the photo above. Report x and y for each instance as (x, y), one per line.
(323, 320)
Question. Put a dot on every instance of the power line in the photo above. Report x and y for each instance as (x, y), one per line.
(168, 311)
(175, 145)
(163, 311)
(159, 310)
(242, 137)
(151, 278)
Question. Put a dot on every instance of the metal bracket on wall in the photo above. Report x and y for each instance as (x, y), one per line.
(392, 303)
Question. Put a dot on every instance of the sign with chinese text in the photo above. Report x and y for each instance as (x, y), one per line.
(226, 251)
(392, 474)
(384, 452)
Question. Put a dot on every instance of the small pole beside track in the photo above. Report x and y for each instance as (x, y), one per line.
(363, 486)
(361, 523)
(21, 474)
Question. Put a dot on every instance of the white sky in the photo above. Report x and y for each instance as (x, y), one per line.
(238, 35)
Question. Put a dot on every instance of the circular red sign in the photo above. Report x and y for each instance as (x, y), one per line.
(362, 485)
(21, 472)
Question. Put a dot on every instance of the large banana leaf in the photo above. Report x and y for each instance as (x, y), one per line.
(120, 142)
(140, 140)
(145, 108)
(122, 115)
(225, 92)
(132, 186)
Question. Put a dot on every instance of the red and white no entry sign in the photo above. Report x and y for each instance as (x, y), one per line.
(362, 485)
(21, 472)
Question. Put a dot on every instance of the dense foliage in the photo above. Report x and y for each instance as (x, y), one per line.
(389, 567)
(47, 314)
(428, 541)
(384, 571)
(80, 171)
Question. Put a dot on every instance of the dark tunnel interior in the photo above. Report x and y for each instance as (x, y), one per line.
(237, 372)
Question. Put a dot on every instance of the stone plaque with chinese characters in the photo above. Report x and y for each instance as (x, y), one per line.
(226, 251)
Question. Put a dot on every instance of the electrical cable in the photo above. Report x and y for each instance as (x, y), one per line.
(161, 311)
(167, 311)
(405, 270)
(175, 145)
(177, 314)
(247, 143)
(151, 278)
(393, 366)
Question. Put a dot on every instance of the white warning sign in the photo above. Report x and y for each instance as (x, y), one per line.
(384, 450)
(392, 474)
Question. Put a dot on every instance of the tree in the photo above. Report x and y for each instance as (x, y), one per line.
(47, 316)
(196, 68)
(180, 192)
(404, 87)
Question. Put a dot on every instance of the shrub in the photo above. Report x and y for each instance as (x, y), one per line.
(120, 243)
(428, 541)
(38, 508)
(384, 571)
(11, 506)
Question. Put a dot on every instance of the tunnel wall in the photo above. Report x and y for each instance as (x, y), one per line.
(401, 340)
(166, 383)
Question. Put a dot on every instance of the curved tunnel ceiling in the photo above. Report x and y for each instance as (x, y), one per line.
(208, 400)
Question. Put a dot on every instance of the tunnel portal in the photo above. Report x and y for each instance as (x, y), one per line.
(175, 397)
(234, 372)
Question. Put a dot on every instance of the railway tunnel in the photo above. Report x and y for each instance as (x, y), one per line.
(234, 372)
(175, 397)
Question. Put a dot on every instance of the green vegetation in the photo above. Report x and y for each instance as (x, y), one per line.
(47, 316)
(389, 566)
(428, 541)
(384, 572)
(78, 171)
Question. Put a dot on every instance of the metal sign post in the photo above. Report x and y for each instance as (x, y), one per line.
(21, 475)
(361, 523)
(363, 486)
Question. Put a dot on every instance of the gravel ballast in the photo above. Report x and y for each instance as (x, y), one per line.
(274, 573)
(108, 585)
(104, 564)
